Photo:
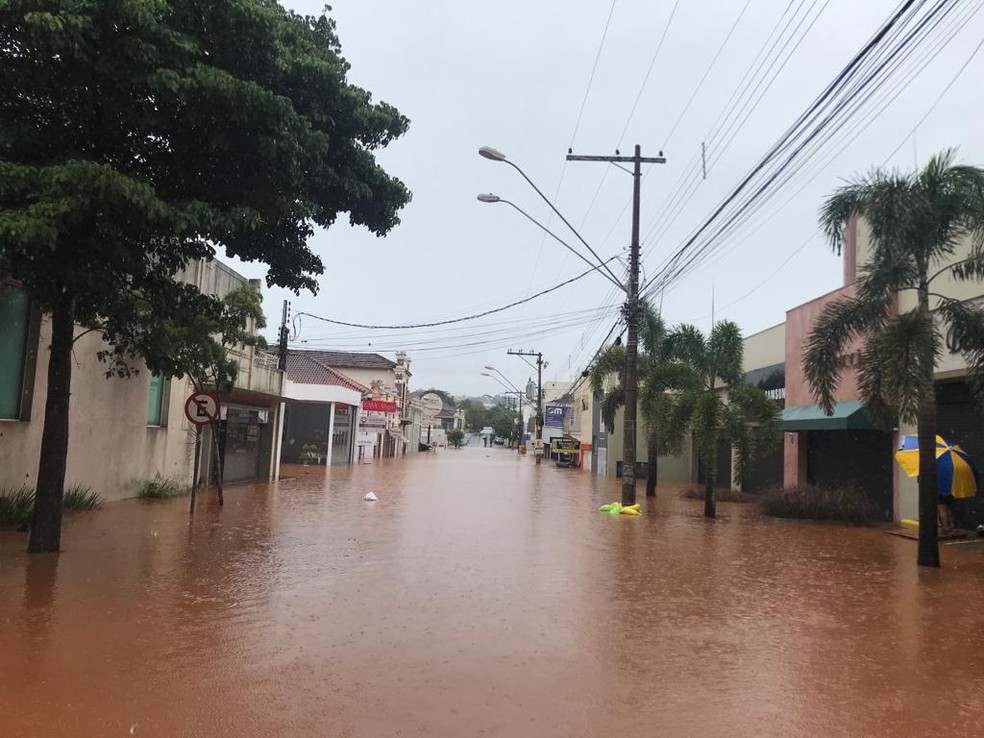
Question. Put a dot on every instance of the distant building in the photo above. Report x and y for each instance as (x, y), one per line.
(331, 378)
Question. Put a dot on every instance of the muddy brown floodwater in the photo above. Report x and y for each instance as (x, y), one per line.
(481, 596)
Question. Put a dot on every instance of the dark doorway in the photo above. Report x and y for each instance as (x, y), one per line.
(960, 420)
(853, 458)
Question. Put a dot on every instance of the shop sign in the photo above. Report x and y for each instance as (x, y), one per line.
(379, 406)
(555, 415)
(372, 423)
(566, 444)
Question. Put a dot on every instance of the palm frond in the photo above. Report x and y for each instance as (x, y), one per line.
(970, 269)
(965, 334)
(611, 361)
(727, 351)
(706, 424)
(752, 422)
(906, 351)
(652, 332)
(610, 405)
(837, 211)
(690, 347)
(873, 391)
(840, 323)
(672, 375)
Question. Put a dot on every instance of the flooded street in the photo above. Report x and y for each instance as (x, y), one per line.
(480, 596)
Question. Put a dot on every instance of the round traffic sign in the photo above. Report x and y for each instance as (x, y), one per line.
(202, 408)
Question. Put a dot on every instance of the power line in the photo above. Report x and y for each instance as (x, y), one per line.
(728, 232)
(594, 68)
(936, 101)
(707, 71)
(676, 264)
(577, 126)
(456, 320)
(645, 79)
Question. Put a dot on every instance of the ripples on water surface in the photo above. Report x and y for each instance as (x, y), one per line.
(480, 596)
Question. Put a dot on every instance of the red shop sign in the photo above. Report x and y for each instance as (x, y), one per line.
(379, 406)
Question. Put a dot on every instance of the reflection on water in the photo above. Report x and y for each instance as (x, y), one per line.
(480, 596)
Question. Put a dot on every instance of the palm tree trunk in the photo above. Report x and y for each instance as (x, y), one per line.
(653, 467)
(710, 508)
(929, 546)
(47, 521)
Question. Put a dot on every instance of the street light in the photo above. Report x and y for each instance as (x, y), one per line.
(631, 289)
(488, 152)
(494, 154)
(493, 369)
(490, 198)
(510, 388)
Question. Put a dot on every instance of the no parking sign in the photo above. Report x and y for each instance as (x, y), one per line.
(202, 408)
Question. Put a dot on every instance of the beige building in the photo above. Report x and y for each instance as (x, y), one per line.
(376, 433)
(125, 431)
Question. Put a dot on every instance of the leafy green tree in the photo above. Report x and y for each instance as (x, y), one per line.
(916, 220)
(455, 437)
(661, 376)
(476, 416)
(137, 136)
(502, 420)
(722, 404)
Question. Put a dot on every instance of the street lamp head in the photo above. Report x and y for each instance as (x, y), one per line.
(488, 197)
(490, 368)
(489, 153)
(486, 374)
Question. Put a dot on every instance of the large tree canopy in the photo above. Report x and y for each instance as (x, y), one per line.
(138, 135)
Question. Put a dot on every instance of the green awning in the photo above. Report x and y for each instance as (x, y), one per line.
(848, 415)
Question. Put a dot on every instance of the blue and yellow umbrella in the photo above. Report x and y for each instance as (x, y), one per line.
(955, 473)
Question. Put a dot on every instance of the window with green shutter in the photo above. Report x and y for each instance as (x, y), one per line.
(14, 311)
(155, 403)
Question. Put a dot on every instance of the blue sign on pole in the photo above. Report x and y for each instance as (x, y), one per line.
(555, 415)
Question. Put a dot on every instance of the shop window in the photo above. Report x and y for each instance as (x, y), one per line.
(14, 316)
(155, 402)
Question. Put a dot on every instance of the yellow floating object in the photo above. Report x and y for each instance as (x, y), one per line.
(616, 508)
(909, 523)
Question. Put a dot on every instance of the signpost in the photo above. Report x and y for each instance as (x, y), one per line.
(372, 423)
(432, 405)
(201, 408)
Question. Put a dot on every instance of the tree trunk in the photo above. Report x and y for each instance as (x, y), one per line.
(929, 539)
(710, 509)
(46, 523)
(653, 459)
(929, 546)
(218, 460)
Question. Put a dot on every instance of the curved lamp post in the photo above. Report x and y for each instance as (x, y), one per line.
(487, 152)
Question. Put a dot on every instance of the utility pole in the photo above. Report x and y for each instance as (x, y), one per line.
(539, 391)
(631, 313)
(282, 343)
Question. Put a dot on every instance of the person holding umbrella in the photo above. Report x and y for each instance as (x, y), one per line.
(956, 474)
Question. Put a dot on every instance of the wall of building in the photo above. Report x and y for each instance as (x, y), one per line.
(765, 348)
(111, 447)
(678, 468)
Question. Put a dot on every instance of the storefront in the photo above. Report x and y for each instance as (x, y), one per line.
(247, 436)
(341, 436)
(312, 435)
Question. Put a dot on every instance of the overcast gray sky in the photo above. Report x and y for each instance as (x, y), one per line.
(513, 75)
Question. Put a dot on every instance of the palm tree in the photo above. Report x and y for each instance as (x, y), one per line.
(661, 376)
(916, 221)
(744, 414)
